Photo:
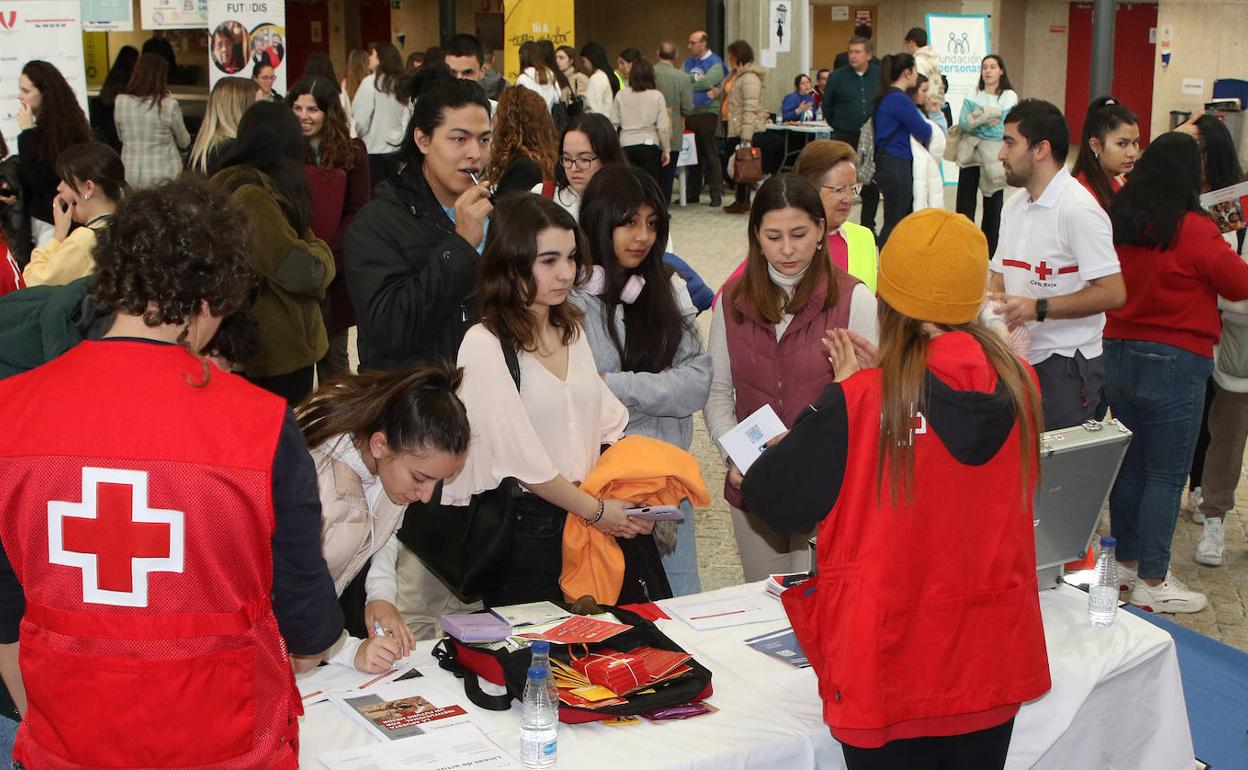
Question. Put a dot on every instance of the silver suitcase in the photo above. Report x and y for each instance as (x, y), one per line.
(1077, 470)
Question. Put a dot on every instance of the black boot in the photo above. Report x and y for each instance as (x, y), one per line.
(717, 198)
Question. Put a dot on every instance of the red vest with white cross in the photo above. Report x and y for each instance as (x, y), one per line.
(136, 510)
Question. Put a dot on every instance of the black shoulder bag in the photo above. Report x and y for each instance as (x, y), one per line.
(467, 546)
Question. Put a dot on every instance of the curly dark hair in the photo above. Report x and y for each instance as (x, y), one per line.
(170, 247)
(61, 121)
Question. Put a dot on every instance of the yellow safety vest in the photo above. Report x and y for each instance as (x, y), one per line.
(863, 257)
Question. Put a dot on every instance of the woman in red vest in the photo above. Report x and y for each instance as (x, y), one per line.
(766, 344)
(164, 532)
(923, 622)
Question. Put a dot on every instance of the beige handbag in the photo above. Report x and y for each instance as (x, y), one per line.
(951, 144)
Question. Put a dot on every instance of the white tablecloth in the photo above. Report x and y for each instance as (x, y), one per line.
(1116, 702)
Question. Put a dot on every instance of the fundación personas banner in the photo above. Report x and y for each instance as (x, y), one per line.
(961, 42)
(245, 33)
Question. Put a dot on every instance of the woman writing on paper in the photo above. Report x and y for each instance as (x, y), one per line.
(381, 440)
(766, 342)
(948, 423)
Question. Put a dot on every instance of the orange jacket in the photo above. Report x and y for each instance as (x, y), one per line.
(643, 470)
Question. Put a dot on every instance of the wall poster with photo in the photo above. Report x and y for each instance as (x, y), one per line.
(245, 34)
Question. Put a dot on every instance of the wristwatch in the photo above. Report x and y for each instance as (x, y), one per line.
(1042, 309)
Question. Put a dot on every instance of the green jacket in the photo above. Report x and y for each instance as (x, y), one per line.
(677, 90)
(294, 269)
(40, 323)
(848, 97)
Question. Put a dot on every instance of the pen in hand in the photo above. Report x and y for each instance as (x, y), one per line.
(378, 630)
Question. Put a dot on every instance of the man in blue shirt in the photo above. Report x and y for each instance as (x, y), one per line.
(847, 101)
(707, 72)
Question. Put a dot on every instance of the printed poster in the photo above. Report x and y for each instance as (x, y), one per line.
(962, 43)
(780, 26)
(526, 20)
(1226, 206)
(105, 15)
(174, 14)
(245, 33)
(50, 30)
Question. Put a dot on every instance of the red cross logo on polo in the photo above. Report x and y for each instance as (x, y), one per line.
(1043, 270)
(114, 538)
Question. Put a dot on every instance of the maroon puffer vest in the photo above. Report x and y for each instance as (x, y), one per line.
(789, 373)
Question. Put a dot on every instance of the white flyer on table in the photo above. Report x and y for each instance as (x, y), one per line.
(744, 443)
(455, 747)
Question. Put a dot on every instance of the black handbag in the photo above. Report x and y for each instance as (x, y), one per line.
(467, 546)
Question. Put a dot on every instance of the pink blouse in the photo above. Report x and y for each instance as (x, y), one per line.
(550, 428)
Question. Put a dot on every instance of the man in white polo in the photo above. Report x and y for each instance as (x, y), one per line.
(1055, 268)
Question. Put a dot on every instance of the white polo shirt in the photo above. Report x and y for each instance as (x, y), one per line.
(1054, 246)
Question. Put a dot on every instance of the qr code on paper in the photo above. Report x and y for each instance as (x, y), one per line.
(754, 434)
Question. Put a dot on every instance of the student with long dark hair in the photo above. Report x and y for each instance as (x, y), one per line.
(588, 145)
(150, 125)
(380, 112)
(766, 346)
(412, 252)
(381, 441)
(263, 173)
(1159, 355)
(115, 82)
(938, 684)
(568, 61)
(536, 75)
(1108, 149)
(337, 170)
(602, 86)
(50, 120)
(93, 181)
(896, 120)
(982, 121)
(640, 324)
(548, 434)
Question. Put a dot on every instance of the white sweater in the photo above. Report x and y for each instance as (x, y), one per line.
(549, 92)
(380, 119)
(929, 185)
(598, 96)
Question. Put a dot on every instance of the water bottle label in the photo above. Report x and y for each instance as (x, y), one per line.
(548, 748)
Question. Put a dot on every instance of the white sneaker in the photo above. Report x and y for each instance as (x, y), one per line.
(1192, 506)
(1212, 543)
(1127, 577)
(1170, 596)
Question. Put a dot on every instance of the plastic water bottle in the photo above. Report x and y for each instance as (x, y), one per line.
(541, 659)
(539, 727)
(1103, 593)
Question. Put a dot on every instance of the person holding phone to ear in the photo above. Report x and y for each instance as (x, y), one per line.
(93, 181)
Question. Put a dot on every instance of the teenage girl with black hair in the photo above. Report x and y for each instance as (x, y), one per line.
(639, 321)
(1108, 149)
(896, 120)
(602, 86)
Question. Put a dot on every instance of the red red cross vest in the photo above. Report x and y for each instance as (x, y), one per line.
(136, 509)
(788, 373)
(927, 610)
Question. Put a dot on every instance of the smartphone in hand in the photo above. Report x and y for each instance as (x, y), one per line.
(657, 513)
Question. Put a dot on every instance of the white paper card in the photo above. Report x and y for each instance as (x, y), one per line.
(768, 58)
(703, 614)
(744, 443)
(531, 614)
(1193, 86)
(455, 747)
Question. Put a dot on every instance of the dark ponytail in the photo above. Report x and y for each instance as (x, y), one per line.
(416, 410)
(1105, 114)
(891, 67)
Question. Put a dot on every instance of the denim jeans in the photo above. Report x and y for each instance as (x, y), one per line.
(1158, 391)
(895, 176)
(8, 733)
(681, 565)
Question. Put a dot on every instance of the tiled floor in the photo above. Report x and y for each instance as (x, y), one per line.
(714, 243)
